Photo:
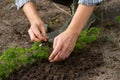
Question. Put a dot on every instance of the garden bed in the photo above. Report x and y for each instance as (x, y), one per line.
(97, 61)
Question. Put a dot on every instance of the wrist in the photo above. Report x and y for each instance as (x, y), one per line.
(36, 20)
(31, 13)
(73, 32)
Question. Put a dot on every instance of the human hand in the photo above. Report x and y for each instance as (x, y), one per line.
(65, 42)
(63, 46)
(37, 32)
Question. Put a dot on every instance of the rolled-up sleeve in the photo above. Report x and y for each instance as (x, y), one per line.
(89, 2)
(20, 3)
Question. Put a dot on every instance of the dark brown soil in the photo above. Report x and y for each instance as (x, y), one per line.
(98, 61)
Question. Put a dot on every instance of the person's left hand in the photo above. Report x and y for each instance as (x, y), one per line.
(63, 45)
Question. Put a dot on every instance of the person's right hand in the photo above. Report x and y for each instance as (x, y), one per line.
(37, 32)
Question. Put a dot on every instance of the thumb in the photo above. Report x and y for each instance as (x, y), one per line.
(43, 31)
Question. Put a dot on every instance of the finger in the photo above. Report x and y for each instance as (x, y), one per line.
(37, 33)
(32, 36)
(57, 58)
(54, 44)
(67, 54)
(44, 33)
(63, 51)
(55, 51)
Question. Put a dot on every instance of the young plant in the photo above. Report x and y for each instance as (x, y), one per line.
(14, 58)
(87, 37)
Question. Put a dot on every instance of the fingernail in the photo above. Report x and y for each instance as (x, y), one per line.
(46, 39)
(50, 58)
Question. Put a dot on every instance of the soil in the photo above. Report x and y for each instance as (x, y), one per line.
(98, 61)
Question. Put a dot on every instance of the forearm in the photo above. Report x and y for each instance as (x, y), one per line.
(80, 18)
(30, 11)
